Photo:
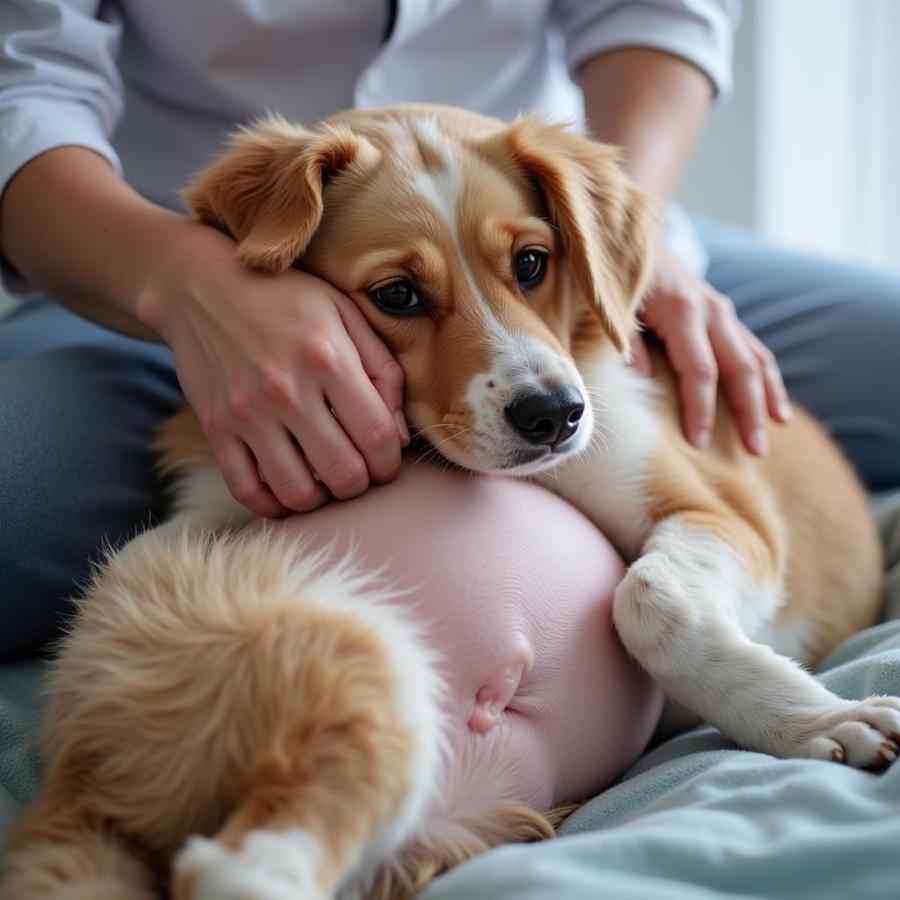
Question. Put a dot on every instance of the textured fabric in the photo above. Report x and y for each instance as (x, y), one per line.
(698, 30)
(78, 406)
(696, 818)
(175, 76)
(693, 819)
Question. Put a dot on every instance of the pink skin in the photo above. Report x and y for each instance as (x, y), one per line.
(515, 587)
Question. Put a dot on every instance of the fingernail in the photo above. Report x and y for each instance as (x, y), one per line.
(701, 439)
(786, 412)
(759, 442)
(400, 419)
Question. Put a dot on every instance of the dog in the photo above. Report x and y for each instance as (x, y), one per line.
(503, 265)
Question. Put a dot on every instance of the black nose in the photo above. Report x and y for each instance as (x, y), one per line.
(547, 417)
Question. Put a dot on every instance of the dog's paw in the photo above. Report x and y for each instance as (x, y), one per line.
(268, 866)
(864, 734)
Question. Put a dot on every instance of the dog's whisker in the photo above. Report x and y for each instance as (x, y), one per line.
(435, 448)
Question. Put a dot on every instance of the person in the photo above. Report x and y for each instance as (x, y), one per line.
(107, 107)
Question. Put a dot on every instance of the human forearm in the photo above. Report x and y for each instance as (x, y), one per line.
(248, 346)
(651, 104)
(74, 229)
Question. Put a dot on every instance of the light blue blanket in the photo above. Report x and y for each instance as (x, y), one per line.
(694, 819)
(697, 819)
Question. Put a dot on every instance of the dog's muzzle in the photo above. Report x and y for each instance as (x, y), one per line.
(546, 418)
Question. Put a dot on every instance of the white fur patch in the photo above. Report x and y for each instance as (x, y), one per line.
(688, 584)
(684, 611)
(607, 481)
(202, 498)
(269, 865)
(791, 638)
(519, 364)
(443, 187)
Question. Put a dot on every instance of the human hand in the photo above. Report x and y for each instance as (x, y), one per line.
(293, 389)
(705, 343)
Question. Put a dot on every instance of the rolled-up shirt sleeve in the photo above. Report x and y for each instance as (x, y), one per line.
(59, 85)
(700, 31)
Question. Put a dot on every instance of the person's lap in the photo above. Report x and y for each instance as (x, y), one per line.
(79, 404)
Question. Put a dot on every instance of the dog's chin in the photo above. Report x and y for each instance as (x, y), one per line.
(529, 467)
(525, 460)
(518, 459)
(533, 461)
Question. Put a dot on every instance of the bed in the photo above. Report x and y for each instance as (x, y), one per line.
(693, 819)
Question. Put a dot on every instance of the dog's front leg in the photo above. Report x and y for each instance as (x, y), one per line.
(687, 610)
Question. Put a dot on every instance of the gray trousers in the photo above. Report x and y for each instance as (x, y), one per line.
(78, 405)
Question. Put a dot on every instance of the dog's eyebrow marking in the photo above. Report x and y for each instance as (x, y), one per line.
(442, 185)
(428, 138)
(425, 262)
(371, 260)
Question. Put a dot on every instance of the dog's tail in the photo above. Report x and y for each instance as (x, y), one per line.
(441, 850)
(479, 810)
(273, 704)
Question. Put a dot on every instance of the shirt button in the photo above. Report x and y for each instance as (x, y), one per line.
(373, 81)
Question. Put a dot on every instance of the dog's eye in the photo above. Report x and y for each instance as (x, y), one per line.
(397, 299)
(530, 268)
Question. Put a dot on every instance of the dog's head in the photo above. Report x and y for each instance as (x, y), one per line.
(489, 258)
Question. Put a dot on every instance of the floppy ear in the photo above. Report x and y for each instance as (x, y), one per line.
(605, 223)
(266, 190)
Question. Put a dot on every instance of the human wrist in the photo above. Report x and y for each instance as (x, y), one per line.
(650, 103)
(183, 251)
(77, 232)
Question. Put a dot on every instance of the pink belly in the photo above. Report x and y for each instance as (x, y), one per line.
(515, 587)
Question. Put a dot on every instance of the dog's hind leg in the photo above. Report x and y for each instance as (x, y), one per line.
(233, 680)
(62, 851)
(346, 767)
(332, 794)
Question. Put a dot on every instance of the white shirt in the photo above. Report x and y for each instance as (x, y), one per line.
(154, 85)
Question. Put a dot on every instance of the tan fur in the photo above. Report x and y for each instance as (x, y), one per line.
(587, 196)
(799, 516)
(421, 864)
(834, 572)
(62, 851)
(274, 222)
(181, 447)
(200, 694)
